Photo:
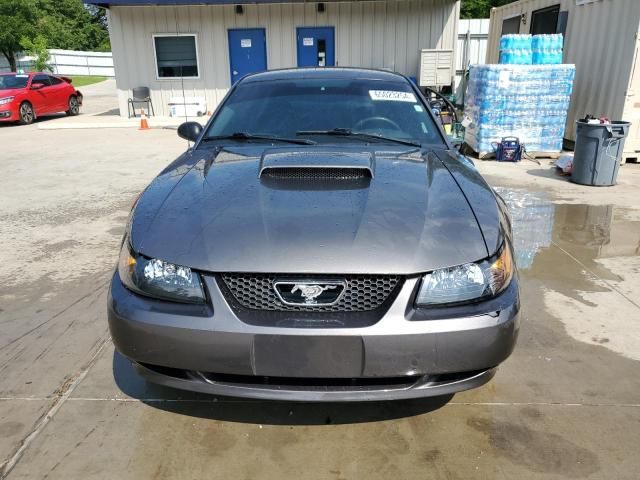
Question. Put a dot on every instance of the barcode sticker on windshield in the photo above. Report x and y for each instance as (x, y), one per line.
(391, 96)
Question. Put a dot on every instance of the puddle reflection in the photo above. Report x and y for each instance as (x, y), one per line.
(586, 232)
(532, 222)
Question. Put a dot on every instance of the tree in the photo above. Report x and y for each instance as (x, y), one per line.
(17, 20)
(101, 23)
(37, 48)
(68, 24)
(479, 8)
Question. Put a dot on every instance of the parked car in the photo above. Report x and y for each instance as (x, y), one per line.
(24, 97)
(320, 241)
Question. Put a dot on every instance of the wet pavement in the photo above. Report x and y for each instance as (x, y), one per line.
(565, 405)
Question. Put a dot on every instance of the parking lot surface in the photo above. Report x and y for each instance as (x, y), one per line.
(565, 405)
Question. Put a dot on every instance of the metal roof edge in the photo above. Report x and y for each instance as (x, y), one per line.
(133, 3)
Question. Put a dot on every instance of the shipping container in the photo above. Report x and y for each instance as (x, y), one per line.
(601, 39)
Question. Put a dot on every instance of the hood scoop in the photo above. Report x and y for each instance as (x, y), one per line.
(316, 165)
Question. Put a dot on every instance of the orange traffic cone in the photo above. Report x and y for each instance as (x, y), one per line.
(209, 113)
(144, 125)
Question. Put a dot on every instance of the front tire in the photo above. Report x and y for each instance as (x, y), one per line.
(26, 113)
(74, 106)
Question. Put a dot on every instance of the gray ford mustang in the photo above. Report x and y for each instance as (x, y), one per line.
(320, 241)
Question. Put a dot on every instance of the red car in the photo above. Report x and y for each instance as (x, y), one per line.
(24, 97)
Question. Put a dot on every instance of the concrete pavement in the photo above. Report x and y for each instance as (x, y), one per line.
(565, 405)
(100, 97)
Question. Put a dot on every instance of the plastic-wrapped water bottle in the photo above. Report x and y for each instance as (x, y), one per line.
(559, 56)
(535, 42)
(536, 58)
(557, 41)
(517, 57)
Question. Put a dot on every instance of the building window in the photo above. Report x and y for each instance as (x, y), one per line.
(511, 25)
(545, 20)
(176, 55)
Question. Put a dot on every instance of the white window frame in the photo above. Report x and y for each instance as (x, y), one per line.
(155, 55)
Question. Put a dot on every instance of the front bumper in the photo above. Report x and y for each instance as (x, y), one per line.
(196, 348)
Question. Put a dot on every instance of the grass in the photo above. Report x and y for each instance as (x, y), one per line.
(84, 80)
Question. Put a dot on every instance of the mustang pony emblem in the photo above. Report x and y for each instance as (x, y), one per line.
(311, 291)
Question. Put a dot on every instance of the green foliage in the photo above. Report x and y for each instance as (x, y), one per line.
(37, 48)
(66, 24)
(17, 20)
(479, 8)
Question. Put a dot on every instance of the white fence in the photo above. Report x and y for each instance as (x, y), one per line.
(69, 62)
(471, 49)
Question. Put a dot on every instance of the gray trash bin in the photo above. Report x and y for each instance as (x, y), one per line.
(598, 152)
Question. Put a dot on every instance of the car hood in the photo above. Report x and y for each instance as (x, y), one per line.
(226, 211)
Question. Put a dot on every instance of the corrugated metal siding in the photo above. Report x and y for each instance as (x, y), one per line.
(478, 31)
(600, 40)
(379, 34)
(471, 47)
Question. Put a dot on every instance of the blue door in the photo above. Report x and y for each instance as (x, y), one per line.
(247, 52)
(316, 47)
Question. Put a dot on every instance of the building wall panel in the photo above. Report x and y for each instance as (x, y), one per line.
(600, 40)
(375, 34)
(471, 49)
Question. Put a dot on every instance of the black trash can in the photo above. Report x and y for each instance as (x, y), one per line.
(598, 152)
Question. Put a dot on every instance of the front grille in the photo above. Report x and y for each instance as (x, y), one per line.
(364, 293)
(316, 173)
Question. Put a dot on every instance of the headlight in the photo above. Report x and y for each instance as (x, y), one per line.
(471, 281)
(157, 278)
(5, 100)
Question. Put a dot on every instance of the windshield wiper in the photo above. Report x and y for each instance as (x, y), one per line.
(347, 132)
(257, 136)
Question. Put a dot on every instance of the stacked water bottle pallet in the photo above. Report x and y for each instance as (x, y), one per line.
(531, 50)
(529, 102)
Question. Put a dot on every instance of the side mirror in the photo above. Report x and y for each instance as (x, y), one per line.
(190, 131)
(37, 86)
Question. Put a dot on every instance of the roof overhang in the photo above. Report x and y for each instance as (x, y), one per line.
(109, 3)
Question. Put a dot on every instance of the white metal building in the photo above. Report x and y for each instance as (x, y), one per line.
(470, 50)
(601, 39)
(205, 45)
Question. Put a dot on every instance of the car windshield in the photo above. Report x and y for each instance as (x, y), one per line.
(13, 81)
(326, 110)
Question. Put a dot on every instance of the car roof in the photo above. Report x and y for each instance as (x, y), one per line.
(324, 72)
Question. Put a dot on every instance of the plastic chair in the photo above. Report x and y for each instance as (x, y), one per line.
(140, 95)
